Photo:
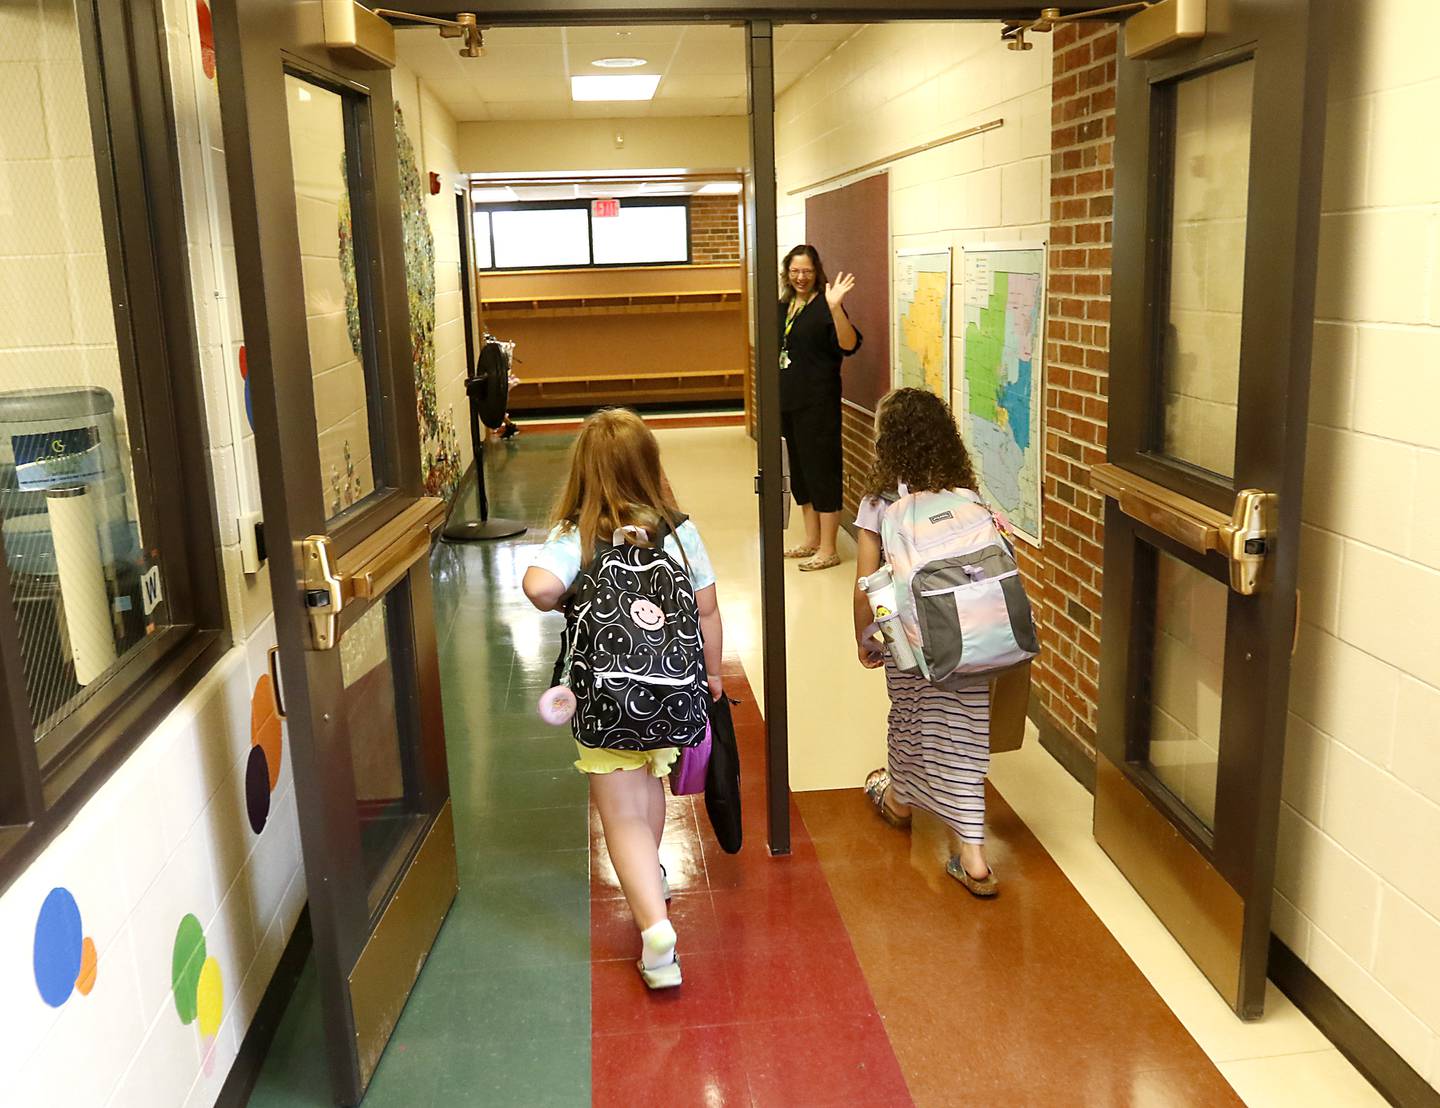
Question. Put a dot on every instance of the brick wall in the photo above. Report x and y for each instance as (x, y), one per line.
(1063, 576)
(714, 229)
(857, 446)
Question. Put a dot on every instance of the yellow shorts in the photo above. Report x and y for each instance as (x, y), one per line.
(658, 762)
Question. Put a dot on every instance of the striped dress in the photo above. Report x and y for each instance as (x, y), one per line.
(938, 742)
(939, 750)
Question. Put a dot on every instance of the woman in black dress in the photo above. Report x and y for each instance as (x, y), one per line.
(815, 337)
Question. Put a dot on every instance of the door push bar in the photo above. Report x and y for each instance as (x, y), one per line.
(1243, 538)
(366, 571)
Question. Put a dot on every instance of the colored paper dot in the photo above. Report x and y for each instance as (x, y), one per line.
(266, 729)
(257, 789)
(207, 38)
(186, 963)
(210, 997)
(59, 947)
(245, 376)
(89, 964)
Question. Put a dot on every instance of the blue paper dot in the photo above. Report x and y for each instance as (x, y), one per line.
(59, 943)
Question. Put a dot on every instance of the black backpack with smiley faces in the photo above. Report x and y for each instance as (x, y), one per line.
(632, 652)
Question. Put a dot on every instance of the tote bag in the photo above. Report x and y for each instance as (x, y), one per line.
(722, 778)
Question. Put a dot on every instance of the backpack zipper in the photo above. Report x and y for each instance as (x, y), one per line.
(967, 584)
(616, 674)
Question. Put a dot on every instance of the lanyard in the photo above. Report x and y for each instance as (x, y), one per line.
(791, 317)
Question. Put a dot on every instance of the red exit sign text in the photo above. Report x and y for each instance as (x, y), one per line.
(605, 208)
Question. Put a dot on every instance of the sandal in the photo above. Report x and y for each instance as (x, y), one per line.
(800, 552)
(876, 786)
(820, 563)
(661, 977)
(985, 886)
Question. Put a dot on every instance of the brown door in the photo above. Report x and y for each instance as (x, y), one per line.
(314, 180)
(1217, 189)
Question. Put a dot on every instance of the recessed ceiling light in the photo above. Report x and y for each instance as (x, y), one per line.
(721, 188)
(618, 63)
(494, 196)
(632, 86)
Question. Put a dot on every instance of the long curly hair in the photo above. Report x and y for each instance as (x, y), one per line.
(917, 444)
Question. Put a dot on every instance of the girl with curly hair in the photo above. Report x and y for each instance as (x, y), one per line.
(938, 742)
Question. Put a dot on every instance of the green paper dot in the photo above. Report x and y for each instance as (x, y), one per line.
(186, 963)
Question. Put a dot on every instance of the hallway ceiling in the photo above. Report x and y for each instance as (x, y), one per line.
(526, 71)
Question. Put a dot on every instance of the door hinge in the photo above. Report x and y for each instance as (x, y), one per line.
(322, 594)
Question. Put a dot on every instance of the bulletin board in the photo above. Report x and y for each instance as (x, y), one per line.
(850, 227)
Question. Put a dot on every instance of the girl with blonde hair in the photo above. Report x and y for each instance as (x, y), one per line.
(616, 484)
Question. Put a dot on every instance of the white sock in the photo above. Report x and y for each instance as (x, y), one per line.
(658, 945)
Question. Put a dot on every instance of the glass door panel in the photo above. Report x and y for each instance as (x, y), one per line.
(1184, 683)
(381, 731)
(337, 316)
(1209, 175)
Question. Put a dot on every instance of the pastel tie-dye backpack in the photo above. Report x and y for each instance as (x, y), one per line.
(961, 601)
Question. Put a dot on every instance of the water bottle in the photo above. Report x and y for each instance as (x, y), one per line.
(879, 589)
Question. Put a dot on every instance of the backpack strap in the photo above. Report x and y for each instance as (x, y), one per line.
(602, 544)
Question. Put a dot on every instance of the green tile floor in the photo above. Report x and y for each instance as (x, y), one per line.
(501, 1013)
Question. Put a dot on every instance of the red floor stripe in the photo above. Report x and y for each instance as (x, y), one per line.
(774, 1011)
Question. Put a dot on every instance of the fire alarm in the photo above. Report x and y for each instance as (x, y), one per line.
(434, 184)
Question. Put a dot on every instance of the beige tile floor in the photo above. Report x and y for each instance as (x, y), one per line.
(1277, 1062)
(837, 719)
(837, 709)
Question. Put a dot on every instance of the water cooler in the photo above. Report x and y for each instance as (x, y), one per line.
(72, 547)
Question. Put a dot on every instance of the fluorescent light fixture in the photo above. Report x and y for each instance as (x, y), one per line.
(632, 86)
(494, 196)
(618, 63)
(721, 188)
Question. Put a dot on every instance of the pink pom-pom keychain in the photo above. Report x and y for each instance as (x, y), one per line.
(557, 705)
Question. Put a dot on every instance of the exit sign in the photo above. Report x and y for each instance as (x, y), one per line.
(605, 208)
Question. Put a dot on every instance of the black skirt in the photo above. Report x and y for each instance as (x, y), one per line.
(812, 437)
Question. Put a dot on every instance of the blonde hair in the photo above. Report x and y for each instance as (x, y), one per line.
(615, 481)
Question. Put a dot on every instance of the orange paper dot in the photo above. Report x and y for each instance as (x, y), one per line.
(89, 963)
(266, 730)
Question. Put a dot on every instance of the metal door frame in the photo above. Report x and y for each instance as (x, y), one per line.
(1213, 888)
(759, 20)
(372, 931)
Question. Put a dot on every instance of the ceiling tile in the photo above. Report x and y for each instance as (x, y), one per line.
(688, 108)
(610, 109)
(700, 88)
(520, 59)
(523, 36)
(657, 58)
(509, 90)
(522, 110)
(707, 59)
(622, 38)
